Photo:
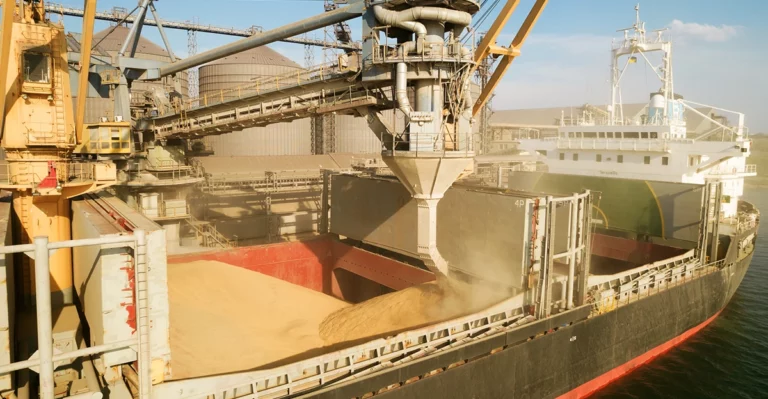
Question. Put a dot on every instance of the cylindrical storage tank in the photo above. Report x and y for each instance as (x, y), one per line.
(239, 70)
(656, 107)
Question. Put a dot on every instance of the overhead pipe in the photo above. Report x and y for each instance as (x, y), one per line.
(354, 10)
(409, 19)
(401, 90)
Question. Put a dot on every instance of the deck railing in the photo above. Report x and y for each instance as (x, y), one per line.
(45, 358)
(656, 279)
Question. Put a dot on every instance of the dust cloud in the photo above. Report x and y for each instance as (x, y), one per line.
(407, 309)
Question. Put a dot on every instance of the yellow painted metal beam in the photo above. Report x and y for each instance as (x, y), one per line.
(9, 10)
(506, 60)
(490, 38)
(498, 50)
(86, 42)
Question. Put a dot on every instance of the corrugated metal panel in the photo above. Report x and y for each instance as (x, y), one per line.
(291, 138)
(95, 108)
(353, 136)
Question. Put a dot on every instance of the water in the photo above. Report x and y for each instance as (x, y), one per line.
(727, 359)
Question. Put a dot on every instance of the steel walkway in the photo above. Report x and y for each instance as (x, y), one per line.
(269, 100)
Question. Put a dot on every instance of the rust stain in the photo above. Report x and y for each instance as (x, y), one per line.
(130, 307)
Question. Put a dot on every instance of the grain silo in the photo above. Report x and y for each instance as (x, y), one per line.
(111, 40)
(289, 138)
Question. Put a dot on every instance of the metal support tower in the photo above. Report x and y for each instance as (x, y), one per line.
(309, 55)
(482, 76)
(192, 74)
(323, 133)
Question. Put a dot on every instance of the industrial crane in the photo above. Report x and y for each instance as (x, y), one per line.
(407, 47)
(40, 133)
(425, 55)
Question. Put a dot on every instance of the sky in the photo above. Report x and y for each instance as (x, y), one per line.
(719, 55)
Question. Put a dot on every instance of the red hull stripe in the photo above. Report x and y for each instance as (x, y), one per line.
(596, 384)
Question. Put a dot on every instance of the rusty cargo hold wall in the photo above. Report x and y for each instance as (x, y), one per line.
(497, 236)
(104, 279)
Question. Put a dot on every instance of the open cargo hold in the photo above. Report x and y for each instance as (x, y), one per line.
(488, 234)
(243, 316)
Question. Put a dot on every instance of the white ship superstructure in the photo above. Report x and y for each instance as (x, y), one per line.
(653, 146)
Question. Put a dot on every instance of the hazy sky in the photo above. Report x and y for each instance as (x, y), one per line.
(720, 54)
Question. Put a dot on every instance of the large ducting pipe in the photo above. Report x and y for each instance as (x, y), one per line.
(393, 18)
(351, 11)
(401, 89)
(407, 19)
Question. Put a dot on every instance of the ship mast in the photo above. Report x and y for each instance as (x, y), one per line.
(634, 45)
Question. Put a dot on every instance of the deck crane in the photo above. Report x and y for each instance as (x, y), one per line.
(40, 133)
(52, 155)
(404, 48)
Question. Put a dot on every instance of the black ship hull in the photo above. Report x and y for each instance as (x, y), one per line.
(570, 355)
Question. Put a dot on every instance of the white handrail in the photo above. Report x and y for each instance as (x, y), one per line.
(42, 250)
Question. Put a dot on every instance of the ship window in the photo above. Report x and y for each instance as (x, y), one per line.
(654, 135)
(643, 135)
(575, 157)
(726, 199)
(665, 161)
(543, 152)
(647, 160)
(590, 135)
(36, 68)
(631, 135)
(599, 157)
(562, 156)
(620, 158)
(694, 160)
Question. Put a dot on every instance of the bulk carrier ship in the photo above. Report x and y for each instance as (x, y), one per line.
(414, 285)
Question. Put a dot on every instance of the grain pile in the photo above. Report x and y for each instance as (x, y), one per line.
(226, 319)
(404, 310)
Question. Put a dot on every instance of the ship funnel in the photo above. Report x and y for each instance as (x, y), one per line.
(427, 176)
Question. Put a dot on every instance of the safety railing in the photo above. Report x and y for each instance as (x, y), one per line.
(41, 250)
(209, 235)
(722, 171)
(267, 85)
(652, 145)
(741, 223)
(252, 112)
(431, 143)
(284, 180)
(66, 172)
(358, 361)
(650, 282)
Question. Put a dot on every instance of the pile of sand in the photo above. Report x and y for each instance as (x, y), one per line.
(227, 319)
(404, 310)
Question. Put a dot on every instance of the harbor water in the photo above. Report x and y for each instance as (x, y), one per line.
(727, 359)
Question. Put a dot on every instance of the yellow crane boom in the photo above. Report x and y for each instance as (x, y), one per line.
(89, 16)
(488, 47)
